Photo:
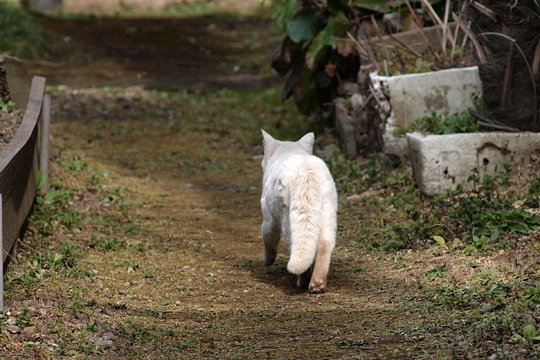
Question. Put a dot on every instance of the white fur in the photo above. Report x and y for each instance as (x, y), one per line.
(299, 200)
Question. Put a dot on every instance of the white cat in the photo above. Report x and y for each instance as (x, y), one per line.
(299, 200)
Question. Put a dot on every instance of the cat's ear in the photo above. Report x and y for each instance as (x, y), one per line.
(270, 144)
(306, 142)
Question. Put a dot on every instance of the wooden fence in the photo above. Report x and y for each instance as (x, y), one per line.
(19, 169)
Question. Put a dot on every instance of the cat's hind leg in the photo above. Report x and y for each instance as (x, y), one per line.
(325, 247)
(270, 231)
(303, 279)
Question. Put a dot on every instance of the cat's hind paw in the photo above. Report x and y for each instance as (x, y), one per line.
(268, 259)
(317, 287)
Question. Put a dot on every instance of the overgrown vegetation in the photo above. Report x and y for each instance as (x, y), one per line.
(437, 124)
(21, 36)
(325, 40)
(490, 217)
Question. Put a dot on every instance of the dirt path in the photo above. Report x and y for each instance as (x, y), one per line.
(148, 245)
(173, 52)
(194, 194)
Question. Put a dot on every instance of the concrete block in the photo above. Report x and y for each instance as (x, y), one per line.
(442, 162)
(345, 128)
(404, 98)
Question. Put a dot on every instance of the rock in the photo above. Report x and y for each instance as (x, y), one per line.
(346, 88)
(29, 332)
(357, 101)
(108, 336)
(100, 326)
(101, 342)
(13, 329)
(345, 129)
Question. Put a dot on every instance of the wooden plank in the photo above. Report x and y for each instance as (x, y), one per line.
(19, 169)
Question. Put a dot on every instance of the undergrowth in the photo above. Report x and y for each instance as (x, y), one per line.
(490, 217)
(438, 124)
(21, 36)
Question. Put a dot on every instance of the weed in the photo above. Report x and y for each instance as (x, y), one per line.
(112, 243)
(532, 295)
(56, 326)
(534, 187)
(115, 196)
(54, 210)
(23, 319)
(436, 273)
(75, 307)
(7, 106)
(483, 217)
(440, 125)
(529, 335)
(131, 264)
(189, 343)
(75, 165)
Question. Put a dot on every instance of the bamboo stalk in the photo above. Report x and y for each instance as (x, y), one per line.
(536, 60)
(474, 39)
(446, 30)
(421, 32)
(436, 18)
(508, 73)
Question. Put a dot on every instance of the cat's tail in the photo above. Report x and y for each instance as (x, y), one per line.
(304, 217)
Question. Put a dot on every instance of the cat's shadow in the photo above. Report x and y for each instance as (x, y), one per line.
(277, 276)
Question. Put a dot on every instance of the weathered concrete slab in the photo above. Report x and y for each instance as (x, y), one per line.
(442, 162)
(345, 128)
(404, 98)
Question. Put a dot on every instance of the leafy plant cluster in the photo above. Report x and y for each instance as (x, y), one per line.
(8, 106)
(438, 124)
(484, 219)
(322, 46)
(395, 216)
(496, 306)
(488, 216)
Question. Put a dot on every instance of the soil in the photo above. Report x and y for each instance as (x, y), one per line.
(170, 52)
(9, 123)
(164, 259)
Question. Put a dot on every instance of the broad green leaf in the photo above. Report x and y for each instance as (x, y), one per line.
(336, 6)
(327, 37)
(305, 25)
(440, 240)
(529, 331)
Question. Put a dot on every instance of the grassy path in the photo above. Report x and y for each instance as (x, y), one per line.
(168, 246)
(148, 247)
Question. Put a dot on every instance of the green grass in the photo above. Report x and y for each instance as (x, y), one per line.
(21, 36)
(437, 124)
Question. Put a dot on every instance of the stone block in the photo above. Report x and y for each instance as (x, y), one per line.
(345, 128)
(442, 162)
(404, 98)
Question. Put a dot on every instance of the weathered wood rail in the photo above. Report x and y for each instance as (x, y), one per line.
(19, 169)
